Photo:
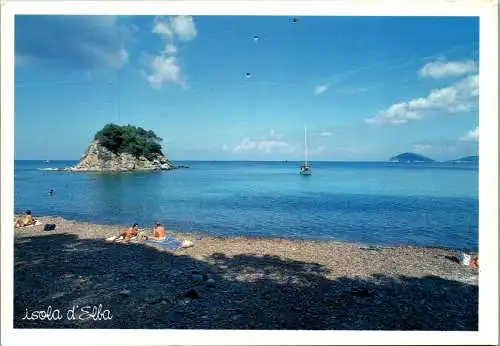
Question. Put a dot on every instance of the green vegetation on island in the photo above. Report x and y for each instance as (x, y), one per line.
(129, 139)
(410, 157)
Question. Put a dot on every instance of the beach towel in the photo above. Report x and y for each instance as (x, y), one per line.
(111, 238)
(138, 237)
(170, 243)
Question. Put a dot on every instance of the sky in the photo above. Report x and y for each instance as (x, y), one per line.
(244, 87)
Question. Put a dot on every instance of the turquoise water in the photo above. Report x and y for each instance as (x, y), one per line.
(374, 203)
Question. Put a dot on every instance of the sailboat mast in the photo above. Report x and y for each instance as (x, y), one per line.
(305, 144)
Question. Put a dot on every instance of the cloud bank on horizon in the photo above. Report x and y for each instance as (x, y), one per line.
(186, 78)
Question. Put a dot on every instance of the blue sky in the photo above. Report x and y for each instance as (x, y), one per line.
(367, 88)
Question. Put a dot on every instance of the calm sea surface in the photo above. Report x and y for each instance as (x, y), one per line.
(373, 203)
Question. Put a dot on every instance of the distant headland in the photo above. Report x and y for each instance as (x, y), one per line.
(467, 159)
(416, 158)
(123, 149)
(410, 158)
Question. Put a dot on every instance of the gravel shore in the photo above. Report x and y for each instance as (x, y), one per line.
(235, 283)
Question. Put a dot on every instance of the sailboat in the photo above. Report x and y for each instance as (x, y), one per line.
(305, 169)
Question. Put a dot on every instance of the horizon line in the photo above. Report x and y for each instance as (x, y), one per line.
(282, 161)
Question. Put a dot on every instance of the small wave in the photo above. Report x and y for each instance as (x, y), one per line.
(49, 169)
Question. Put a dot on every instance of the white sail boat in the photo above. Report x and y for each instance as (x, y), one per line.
(305, 169)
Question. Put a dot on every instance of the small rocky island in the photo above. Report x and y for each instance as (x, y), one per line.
(467, 159)
(410, 158)
(123, 149)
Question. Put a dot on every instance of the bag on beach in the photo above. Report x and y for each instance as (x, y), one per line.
(49, 227)
(465, 259)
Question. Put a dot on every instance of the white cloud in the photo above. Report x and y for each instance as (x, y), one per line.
(273, 134)
(265, 145)
(421, 147)
(225, 147)
(180, 27)
(324, 134)
(472, 135)
(444, 69)
(183, 27)
(165, 68)
(458, 97)
(170, 49)
(320, 89)
(163, 29)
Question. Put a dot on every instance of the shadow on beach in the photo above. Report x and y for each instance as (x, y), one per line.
(144, 288)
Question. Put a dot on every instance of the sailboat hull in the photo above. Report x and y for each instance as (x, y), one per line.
(305, 170)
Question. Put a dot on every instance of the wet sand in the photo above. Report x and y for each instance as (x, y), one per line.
(235, 283)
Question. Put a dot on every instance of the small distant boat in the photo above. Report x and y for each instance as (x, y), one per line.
(47, 161)
(305, 169)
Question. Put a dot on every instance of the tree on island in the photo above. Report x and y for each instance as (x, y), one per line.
(130, 139)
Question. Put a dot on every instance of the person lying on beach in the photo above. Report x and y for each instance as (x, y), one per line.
(127, 234)
(25, 220)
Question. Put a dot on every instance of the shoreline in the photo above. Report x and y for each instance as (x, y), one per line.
(72, 169)
(263, 238)
(278, 161)
(238, 282)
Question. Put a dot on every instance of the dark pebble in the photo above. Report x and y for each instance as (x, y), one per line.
(125, 293)
(361, 293)
(192, 293)
(197, 278)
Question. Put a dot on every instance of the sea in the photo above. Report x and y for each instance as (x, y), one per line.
(374, 203)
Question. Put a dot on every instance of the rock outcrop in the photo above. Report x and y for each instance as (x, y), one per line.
(97, 158)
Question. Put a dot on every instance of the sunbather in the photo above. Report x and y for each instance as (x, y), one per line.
(129, 233)
(25, 220)
(158, 232)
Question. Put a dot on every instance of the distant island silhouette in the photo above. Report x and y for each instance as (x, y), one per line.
(410, 158)
(416, 158)
(468, 159)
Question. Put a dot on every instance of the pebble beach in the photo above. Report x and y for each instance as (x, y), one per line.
(234, 283)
